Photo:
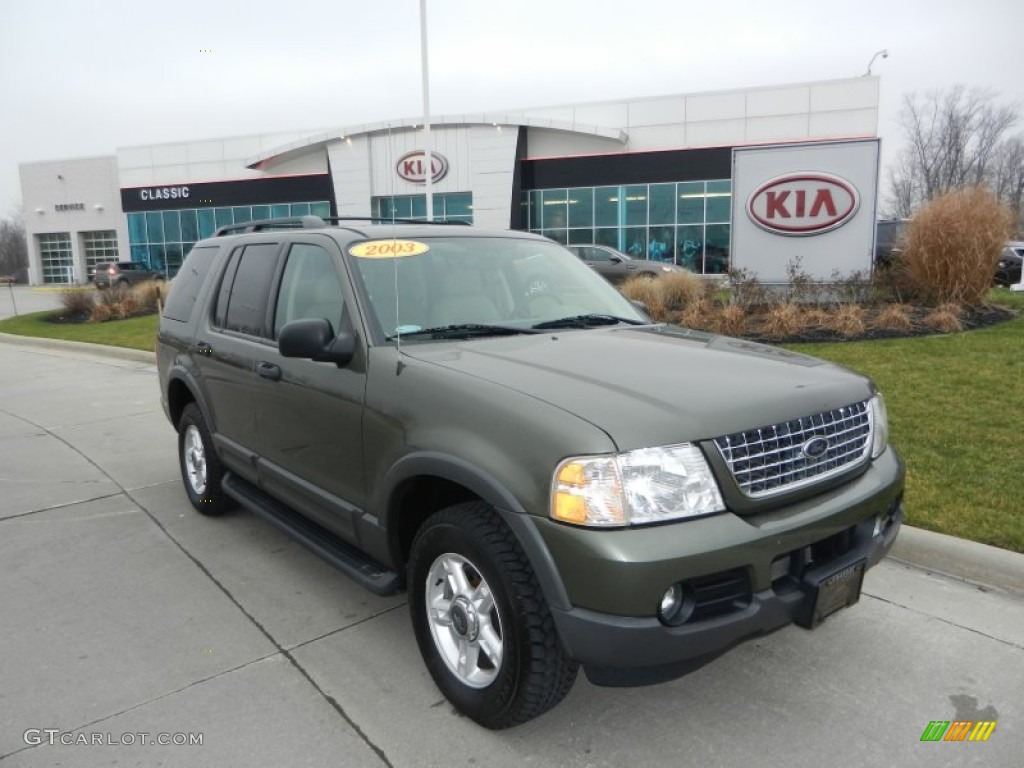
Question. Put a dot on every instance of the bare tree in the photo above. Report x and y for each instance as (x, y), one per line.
(1008, 176)
(954, 138)
(13, 248)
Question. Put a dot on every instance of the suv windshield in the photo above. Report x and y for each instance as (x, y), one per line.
(459, 284)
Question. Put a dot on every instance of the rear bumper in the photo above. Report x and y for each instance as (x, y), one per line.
(639, 650)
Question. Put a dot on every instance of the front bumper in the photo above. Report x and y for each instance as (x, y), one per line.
(616, 648)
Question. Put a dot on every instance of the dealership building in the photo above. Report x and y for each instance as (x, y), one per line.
(655, 177)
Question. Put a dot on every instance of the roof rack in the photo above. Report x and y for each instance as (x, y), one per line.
(318, 222)
(299, 222)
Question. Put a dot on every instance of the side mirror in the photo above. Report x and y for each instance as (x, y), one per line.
(311, 339)
(614, 259)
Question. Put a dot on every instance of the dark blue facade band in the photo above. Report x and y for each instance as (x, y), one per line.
(627, 168)
(213, 194)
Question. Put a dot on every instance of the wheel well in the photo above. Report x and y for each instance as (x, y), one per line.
(413, 501)
(178, 396)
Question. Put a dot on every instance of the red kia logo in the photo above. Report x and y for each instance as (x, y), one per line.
(412, 166)
(806, 203)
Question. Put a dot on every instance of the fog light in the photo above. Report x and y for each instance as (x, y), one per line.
(671, 604)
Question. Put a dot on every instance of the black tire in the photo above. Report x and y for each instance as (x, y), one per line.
(206, 495)
(534, 673)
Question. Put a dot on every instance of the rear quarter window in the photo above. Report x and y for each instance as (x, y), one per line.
(188, 283)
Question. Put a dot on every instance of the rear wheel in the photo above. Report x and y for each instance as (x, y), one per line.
(482, 624)
(201, 470)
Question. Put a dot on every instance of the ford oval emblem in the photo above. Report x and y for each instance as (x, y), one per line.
(815, 448)
(801, 204)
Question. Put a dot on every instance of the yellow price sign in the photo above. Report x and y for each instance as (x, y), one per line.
(388, 249)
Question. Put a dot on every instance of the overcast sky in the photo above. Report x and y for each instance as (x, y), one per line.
(83, 78)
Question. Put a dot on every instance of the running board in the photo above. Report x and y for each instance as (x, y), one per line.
(342, 555)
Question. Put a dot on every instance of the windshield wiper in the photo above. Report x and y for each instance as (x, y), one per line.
(587, 321)
(463, 331)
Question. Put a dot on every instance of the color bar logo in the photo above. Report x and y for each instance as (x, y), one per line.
(958, 730)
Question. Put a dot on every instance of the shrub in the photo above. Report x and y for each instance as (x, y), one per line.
(801, 287)
(814, 317)
(893, 317)
(680, 290)
(150, 295)
(953, 245)
(731, 320)
(943, 320)
(747, 290)
(847, 320)
(782, 320)
(646, 291)
(117, 303)
(696, 315)
(78, 303)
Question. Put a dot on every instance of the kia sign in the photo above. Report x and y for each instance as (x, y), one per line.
(412, 166)
(810, 204)
(803, 204)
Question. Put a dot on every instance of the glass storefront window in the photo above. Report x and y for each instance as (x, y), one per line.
(172, 226)
(137, 227)
(581, 207)
(300, 209)
(691, 202)
(189, 225)
(662, 204)
(323, 210)
(606, 206)
(222, 217)
(260, 212)
(555, 202)
(690, 247)
(154, 227)
(636, 205)
(684, 222)
(206, 222)
(242, 213)
(280, 211)
(716, 249)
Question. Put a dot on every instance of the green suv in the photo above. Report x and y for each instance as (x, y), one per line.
(554, 479)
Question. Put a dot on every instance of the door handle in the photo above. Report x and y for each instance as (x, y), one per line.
(269, 371)
(203, 348)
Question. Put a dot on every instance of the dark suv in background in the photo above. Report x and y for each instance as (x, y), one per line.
(556, 480)
(111, 273)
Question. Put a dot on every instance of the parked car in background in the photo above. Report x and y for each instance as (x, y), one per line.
(1008, 270)
(888, 239)
(616, 267)
(123, 273)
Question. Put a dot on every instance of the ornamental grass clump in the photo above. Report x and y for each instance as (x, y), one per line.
(953, 245)
(646, 291)
(680, 290)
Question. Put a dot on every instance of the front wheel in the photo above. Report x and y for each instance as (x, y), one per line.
(481, 621)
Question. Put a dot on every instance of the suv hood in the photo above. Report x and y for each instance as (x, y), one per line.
(654, 385)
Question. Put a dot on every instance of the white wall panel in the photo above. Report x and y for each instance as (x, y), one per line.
(605, 115)
(861, 93)
(716, 133)
(780, 128)
(861, 122)
(716, 106)
(656, 112)
(766, 102)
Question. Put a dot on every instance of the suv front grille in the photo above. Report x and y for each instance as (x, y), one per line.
(772, 459)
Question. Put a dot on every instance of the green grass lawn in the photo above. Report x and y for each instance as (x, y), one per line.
(134, 333)
(956, 412)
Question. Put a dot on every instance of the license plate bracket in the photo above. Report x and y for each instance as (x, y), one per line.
(829, 592)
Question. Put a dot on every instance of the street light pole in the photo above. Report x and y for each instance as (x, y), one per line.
(884, 53)
(427, 157)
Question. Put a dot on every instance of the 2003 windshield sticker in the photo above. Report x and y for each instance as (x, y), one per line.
(388, 249)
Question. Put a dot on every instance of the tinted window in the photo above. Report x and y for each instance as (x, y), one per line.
(187, 284)
(248, 292)
(596, 254)
(309, 288)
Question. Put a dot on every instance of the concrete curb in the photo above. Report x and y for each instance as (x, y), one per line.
(960, 558)
(950, 556)
(120, 353)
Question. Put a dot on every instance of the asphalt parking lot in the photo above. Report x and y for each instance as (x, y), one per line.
(123, 612)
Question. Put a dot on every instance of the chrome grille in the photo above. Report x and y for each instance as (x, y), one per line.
(770, 460)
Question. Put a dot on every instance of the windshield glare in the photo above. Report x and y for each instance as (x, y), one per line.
(487, 281)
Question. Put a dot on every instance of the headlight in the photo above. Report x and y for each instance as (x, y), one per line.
(667, 269)
(644, 486)
(880, 426)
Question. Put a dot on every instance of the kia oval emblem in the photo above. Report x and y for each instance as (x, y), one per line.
(815, 448)
(801, 204)
(412, 166)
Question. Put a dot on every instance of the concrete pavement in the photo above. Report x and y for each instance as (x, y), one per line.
(122, 611)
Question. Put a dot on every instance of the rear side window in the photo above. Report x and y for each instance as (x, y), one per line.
(188, 283)
(243, 304)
